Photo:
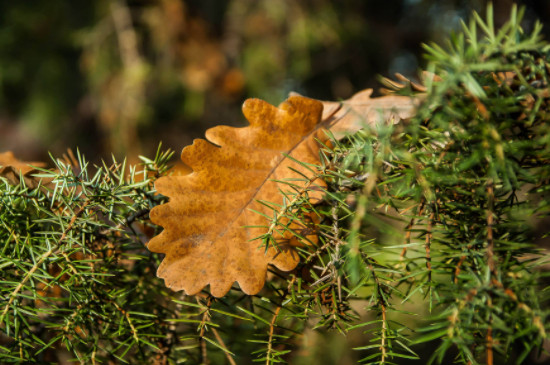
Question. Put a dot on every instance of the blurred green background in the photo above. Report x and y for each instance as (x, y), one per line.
(118, 76)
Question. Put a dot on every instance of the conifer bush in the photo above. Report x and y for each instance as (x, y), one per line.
(429, 238)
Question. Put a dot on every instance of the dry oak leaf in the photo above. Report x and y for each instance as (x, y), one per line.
(349, 116)
(211, 218)
(12, 168)
(204, 237)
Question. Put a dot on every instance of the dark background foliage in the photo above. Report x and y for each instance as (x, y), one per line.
(119, 76)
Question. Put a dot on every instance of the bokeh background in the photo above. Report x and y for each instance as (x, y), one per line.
(119, 76)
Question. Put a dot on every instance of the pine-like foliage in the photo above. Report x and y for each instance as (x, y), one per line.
(429, 235)
(74, 272)
(447, 210)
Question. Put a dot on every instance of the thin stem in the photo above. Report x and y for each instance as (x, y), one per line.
(271, 333)
(383, 308)
(458, 268)
(129, 320)
(490, 346)
(205, 318)
(222, 344)
(336, 243)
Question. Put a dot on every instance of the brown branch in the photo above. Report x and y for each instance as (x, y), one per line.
(222, 344)
(69, 263)
(271, 332)
(204, 352)
(205, 318)
(128, 319)
(383, 306)
(458, 266)
(333, 240)
(336, 242)
(317, 252)
(490, 346)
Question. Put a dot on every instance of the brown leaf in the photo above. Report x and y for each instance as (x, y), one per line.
(211, 219)
(12, 168)
(204, 239)
(361, 110)
(404, 83)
